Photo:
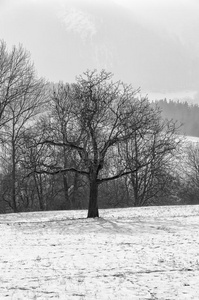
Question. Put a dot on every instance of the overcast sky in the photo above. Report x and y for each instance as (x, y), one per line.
(150, 43)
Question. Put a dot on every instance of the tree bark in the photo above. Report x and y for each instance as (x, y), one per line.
(75, 203)
(14, 204)
(39, 191)
(93, 197)
(68, 204)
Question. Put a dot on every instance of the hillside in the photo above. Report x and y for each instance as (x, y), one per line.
(186, 115)
(127, 254)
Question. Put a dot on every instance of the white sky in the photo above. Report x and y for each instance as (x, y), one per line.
(175, 16)
(40, 25)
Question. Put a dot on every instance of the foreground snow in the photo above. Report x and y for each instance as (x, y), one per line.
(135, 253)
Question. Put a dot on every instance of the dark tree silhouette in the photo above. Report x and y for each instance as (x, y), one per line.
(21, 99)
(100, 115)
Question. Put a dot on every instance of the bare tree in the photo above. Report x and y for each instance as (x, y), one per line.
(16, 77)
(29, 158)
(48, 190)
(5, 81)
(61, 114)
(101, 115)
(22, 97)
(189, 174)
(155, 151)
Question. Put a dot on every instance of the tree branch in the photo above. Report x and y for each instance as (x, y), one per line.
(120, 174)
(59, 171)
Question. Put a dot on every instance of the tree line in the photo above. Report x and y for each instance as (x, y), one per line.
(94, 143)
(182, 112)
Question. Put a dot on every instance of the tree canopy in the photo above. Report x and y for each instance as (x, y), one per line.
(94, 118)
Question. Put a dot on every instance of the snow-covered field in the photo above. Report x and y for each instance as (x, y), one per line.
(192, 139)
(135, 253)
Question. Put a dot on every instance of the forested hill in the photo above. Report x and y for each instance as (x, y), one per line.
(184, 113)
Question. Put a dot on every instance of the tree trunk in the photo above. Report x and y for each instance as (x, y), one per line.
(14, 204)
(74, 192)
(39, 191)
(67, 204)
(93, 199)
(127, 191)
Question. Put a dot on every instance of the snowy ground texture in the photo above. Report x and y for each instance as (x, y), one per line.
(136, 253)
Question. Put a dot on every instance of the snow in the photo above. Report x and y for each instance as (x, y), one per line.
(192, 139)
(134, 253)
